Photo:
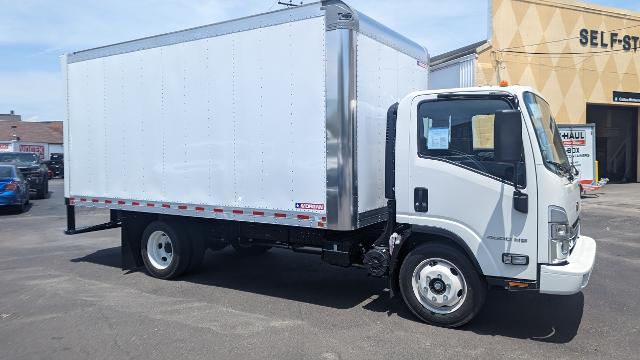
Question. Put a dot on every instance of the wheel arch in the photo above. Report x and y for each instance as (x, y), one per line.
(427, 234)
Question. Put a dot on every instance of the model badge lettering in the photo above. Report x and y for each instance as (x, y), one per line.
(308, 206)
(505, 238)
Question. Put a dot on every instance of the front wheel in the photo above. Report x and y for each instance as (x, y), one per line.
(19, 209)
(441, 286)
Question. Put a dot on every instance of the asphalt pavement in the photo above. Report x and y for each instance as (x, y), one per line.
(65, 297)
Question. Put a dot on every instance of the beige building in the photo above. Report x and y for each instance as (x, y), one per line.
(584, 59)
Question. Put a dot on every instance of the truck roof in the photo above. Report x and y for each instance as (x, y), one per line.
(339, 15)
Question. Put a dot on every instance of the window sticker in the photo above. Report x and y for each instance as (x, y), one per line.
(438, 139)
(482, 128)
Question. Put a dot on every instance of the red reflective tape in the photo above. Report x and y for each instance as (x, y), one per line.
(238, 212)
(83, 199)
(166, 206)
(121, 202)
(324, 218)
(198, 208)
(151, 205)
(135, 203)
(107, 201)
(95, 200)
(303, 217)
(218, 210)
(280, 215)
(258, 213)
(182, 207)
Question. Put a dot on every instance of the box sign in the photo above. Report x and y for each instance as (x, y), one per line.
(579, 143)
(38, 149)
(626, 97)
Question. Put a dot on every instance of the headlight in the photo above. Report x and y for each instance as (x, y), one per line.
(559, 235)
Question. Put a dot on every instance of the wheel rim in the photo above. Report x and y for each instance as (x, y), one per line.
(160, 250)
(439, 285)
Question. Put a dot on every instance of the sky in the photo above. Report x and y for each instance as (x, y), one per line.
(34, 33)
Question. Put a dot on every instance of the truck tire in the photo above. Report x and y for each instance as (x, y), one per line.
(42, 190)
(441, 286)
(242, 248)
(165, 249)
(19, 209)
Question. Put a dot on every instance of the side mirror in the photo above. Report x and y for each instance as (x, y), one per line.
(507, 136)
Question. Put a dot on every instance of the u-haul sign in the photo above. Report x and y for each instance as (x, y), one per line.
(580, 144)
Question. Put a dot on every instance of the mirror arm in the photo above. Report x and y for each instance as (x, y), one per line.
(520, 199)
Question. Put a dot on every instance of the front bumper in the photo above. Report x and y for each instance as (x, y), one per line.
(572, 277)
(34, 180)
(9, 198)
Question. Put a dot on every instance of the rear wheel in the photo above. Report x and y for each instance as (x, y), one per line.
(165, 250)
(441, 286)
(41, 193)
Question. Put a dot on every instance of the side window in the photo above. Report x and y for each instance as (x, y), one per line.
(460, 131)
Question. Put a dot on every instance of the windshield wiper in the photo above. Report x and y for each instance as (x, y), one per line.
(566, 169)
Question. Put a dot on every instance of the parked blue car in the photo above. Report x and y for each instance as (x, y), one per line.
(14, 189)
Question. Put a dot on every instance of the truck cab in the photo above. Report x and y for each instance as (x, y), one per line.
(484, 169)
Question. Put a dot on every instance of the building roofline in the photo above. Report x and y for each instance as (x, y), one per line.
(457, 53)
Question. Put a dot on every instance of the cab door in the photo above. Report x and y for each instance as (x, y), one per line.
(454, 185)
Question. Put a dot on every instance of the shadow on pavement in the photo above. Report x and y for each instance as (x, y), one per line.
(10, 210)
(530, 315)
(303, 278)
(105, 257)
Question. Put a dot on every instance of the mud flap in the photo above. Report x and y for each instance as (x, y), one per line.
(133, 226)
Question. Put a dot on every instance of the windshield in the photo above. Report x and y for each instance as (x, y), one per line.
(18, 157)
(549, 140)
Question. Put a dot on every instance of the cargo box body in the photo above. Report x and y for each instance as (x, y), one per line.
(275, 118)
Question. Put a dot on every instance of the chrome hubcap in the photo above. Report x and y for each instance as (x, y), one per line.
(439, 286)
(160, 250)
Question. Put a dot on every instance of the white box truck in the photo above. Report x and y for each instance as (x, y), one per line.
(311, 129)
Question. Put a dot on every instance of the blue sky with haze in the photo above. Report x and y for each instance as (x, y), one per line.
(34, 33)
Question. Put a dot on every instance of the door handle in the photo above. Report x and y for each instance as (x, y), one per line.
(421, 199)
